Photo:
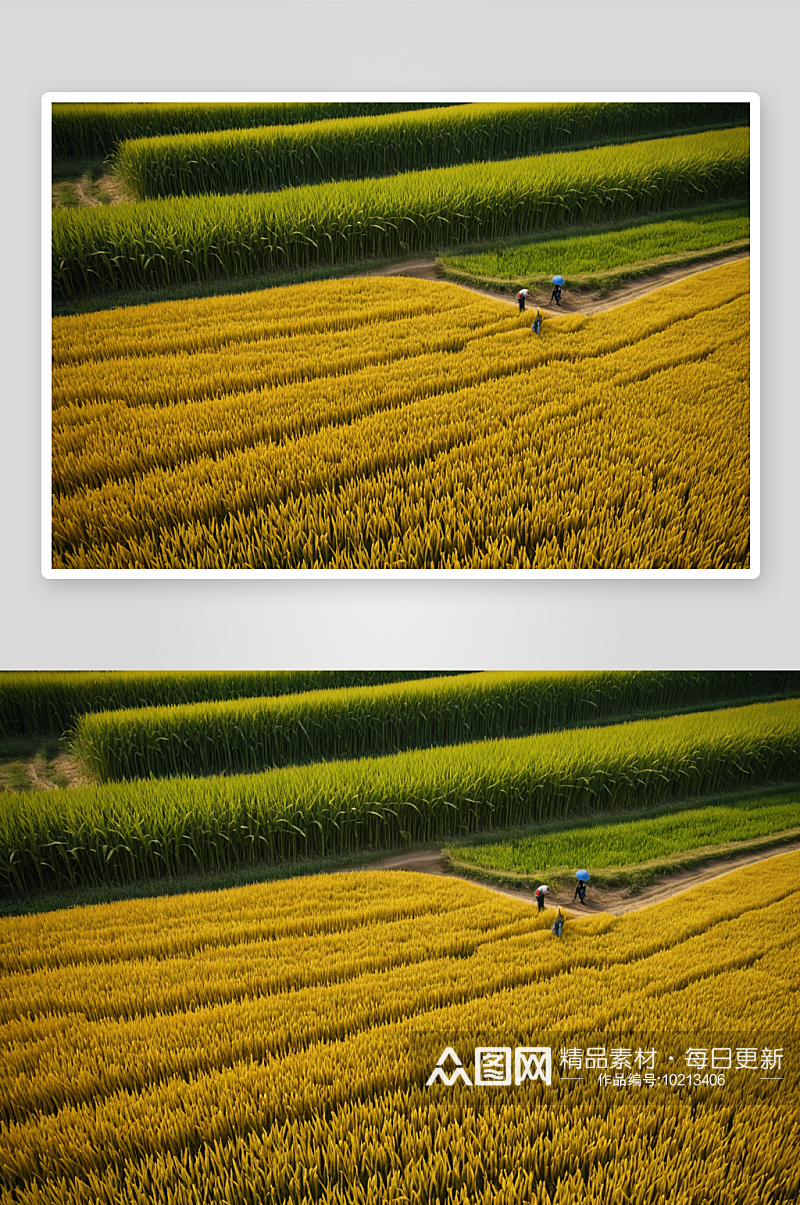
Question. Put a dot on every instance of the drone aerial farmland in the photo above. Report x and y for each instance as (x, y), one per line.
(291, 340)
(242, 982)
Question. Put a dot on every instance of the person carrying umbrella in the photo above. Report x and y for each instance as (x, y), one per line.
(580, 891)
(540, 893)
(556, 293)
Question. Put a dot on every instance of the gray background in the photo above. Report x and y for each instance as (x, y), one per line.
(567, 46)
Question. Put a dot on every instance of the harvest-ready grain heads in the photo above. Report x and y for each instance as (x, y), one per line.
(399, 423)
(272, 1044)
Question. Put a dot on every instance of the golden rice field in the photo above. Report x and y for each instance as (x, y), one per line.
(400, 423)
(272, 1044)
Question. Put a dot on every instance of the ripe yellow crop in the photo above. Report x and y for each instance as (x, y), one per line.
(396, 423)
(273, 1043)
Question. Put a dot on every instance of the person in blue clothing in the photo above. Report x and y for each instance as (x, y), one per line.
(556, 294)
(580, 892)
(558, 924)
(537, 323)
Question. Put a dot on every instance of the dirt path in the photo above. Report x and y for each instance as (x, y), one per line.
(88, 190)
(614, 901)
(577, 303)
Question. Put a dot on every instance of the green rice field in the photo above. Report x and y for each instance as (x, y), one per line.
(626, 842)
(149, 828)
(153, 244)
(286, 156)
(632, 244)
(253, 734)
(46, 703)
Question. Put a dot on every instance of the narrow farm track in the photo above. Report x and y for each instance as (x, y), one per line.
(614, 902)
(579, 303)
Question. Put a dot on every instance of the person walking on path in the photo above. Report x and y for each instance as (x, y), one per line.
(540, 893)
(521, 295)
(537, 324)
(558, 924)
(556, 294)
(580, 892)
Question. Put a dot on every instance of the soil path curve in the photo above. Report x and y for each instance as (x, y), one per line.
(614, 901)
(578, 303)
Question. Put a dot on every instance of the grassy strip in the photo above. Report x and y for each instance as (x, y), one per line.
(606, 283)
(35, 703)
(86, 130)
(266, 159)
(634, 850)
(149, 828)
(603, 259)
(601, 250)
(250, 735)
(602, 283)
(184, 240)
(634, 877)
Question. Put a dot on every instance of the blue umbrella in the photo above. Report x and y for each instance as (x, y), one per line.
(558, 280)
(583, 875)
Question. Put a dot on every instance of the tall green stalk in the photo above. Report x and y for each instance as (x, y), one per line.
(111, 833)
(254, 734)
(158, 243)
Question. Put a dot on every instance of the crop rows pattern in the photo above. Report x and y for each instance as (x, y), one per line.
(256, 733)
(151, 244)
(272, 1045)
(33, 703)
(87, 130)
(397, 423)
(285, 156)
(160, 827)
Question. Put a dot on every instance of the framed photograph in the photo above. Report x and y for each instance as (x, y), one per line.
(376, 936)
(400, 334)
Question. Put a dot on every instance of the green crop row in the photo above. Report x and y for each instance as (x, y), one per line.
(261, 160)
(93, 130)
(591, 252)
(34, 703)
(153, 828)
(626, 843)
(249, 735)
(156, 243)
